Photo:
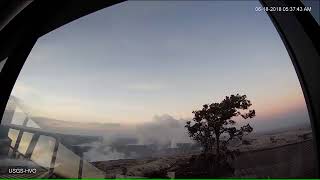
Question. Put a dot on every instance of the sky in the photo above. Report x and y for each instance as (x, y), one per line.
(138, 60)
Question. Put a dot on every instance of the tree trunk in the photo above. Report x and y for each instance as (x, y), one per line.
(218, 147)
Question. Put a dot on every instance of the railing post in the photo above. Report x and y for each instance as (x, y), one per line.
(16, 146)
(80, 168)
(32, 145)
(54, 157)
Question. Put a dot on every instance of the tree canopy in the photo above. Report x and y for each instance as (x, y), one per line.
(215, 119)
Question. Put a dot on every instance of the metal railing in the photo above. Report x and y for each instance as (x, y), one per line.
(44, 148)
(63, 161)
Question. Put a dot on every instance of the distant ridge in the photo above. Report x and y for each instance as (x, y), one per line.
(70, 127)
(302, 125)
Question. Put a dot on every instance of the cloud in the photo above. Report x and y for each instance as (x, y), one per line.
(162, 130)
(102, 154)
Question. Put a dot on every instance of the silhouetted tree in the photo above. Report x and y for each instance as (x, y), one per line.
(215, 119)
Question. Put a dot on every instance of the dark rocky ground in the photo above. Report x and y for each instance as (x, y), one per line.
(288, 161)
(294, 160)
